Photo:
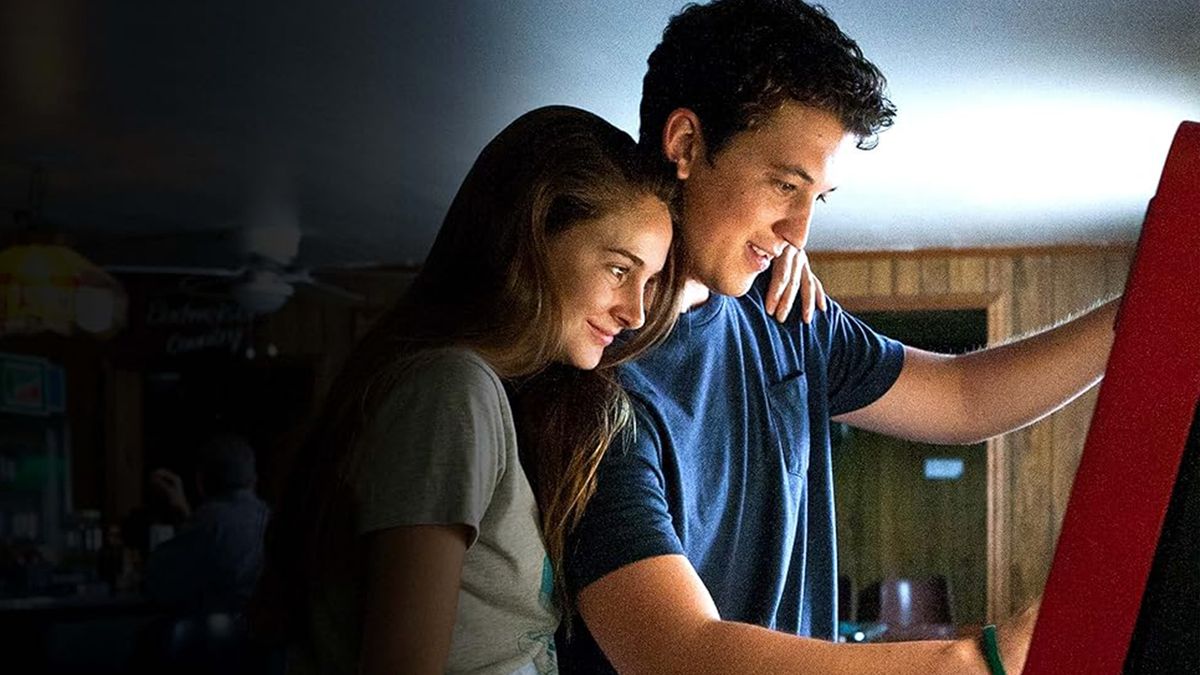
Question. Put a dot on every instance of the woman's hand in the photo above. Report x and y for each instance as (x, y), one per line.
(791, 275)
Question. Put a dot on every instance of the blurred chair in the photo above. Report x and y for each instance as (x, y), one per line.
(215, 643)
(906, 602)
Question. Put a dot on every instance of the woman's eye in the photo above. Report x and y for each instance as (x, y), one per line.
(618, 271)
(785, 187)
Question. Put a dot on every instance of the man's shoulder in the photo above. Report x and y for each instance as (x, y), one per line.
(641, 378)
(239, 507)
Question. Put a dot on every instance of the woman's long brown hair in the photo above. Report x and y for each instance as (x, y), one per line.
(485, 285)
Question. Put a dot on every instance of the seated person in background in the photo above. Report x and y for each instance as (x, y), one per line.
(213, 562)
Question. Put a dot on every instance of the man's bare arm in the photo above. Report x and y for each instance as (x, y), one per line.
(656, 616)
(971, 397)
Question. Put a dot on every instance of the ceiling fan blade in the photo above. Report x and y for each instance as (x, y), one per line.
(217, 296)
(359, 266)
(221, 272)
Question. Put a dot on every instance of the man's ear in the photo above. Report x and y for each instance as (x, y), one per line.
(683, 144)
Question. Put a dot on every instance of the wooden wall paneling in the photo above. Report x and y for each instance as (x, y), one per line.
(1000, 282)
(999, 455)
(856, 528)
(1076, 282)
(908, 276)
(1010, 567)
(935, 276)
(1116, 270)
(963, 538)
(999, 539)
(889, 554)
(1031, 541)
(882, 277)
(1029, 472)
(969, 275)
(851, 277)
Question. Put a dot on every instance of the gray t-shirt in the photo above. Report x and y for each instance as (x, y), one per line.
(443, 450)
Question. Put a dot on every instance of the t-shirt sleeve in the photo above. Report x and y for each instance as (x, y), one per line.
(862, 364)
(436, 447)
(627, 519)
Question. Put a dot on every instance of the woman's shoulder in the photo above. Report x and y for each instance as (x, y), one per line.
(451, 364)
(451, 372)
(444, 391)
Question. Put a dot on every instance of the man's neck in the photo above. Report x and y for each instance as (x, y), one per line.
(694, 294)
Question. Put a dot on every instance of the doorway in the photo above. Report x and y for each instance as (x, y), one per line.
(913, 509)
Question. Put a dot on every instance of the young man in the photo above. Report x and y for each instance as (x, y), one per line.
(710, 543)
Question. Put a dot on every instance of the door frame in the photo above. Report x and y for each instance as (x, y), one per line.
(998, 307)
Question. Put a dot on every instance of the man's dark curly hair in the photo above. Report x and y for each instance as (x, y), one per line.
(734, 62)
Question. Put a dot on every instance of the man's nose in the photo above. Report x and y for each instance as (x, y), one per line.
(793, 227)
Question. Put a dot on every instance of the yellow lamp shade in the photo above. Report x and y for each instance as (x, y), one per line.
(50, 287)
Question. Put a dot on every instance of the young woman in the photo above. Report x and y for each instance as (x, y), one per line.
(409, 539)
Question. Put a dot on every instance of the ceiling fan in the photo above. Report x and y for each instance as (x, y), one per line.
(265, 278)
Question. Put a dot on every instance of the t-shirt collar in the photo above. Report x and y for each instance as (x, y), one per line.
(704, 313)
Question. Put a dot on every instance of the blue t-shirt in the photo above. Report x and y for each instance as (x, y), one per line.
(730, 464)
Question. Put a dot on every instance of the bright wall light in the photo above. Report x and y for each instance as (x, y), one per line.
(1019, 154)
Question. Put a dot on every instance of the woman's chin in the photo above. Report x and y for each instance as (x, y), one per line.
(585, 360)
